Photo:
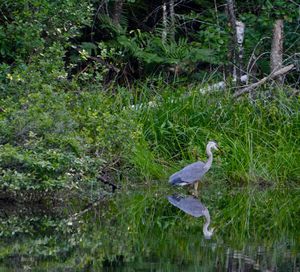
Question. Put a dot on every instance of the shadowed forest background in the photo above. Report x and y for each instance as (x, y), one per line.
(101, 101)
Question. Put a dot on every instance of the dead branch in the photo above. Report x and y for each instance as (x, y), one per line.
(105, 181)
(273, 75)
(110, 66)
(295, 92)
(74, 217)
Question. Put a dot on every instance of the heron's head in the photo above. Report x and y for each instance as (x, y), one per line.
(208, 233)
(212, 145)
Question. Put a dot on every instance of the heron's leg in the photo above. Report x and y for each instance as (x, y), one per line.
(196, 185)
(196, 188)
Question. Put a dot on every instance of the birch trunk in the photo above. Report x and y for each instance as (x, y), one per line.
(240, 32)
(172, 20)
(233, 53)
(165, 23)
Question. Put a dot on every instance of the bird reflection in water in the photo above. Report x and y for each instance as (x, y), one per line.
(194, 207)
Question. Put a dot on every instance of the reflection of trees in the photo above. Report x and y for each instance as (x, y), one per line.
(237, 260)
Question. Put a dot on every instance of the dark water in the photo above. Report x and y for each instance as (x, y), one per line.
(232, 260)
(214, 256)
(144, 233)
(198, 257)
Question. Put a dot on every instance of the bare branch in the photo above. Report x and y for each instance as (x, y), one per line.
(273, 75)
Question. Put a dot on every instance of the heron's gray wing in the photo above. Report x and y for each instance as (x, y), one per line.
(189, 205)
(189, 174)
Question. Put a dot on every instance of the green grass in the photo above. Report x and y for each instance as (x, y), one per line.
(251, 191)
(258, 140)
(91, 132)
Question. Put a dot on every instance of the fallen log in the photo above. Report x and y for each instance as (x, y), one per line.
(273, 75)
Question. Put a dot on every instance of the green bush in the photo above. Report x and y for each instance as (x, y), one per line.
(52, 141)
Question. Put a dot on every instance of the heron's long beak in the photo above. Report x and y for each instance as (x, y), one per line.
(220, 150)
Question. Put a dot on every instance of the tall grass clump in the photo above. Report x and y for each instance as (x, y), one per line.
(259, 139)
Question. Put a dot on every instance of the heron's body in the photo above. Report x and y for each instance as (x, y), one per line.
(194, 207)
(189, 205)
(193, 173)
(189, 174)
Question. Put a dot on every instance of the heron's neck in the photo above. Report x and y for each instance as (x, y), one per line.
(210, 158)
(206, 231)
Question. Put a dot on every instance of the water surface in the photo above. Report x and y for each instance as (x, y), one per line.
(142, 231)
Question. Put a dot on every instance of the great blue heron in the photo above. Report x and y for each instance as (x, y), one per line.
(192, 173)
(194, 207)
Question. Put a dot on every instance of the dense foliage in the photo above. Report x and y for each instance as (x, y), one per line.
(89, 42)
(105, 96)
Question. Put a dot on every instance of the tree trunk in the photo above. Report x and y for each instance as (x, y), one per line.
(172, 19)
(277, 48)
(240, 32)
(117, 11)
(165, 23)
(233, 52)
